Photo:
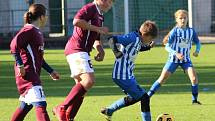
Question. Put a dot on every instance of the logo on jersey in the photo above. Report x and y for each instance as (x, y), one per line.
(184, 43)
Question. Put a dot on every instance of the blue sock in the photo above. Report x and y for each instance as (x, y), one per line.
(116, 106)
(154, 88)
(195, 92)
(146, 116)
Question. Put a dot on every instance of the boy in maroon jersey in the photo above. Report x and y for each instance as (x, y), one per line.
(28, 49)
(88, 25)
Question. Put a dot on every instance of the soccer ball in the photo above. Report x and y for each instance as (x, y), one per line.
(165, 117)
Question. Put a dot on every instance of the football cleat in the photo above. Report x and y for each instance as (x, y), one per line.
(104, 111)
(195, 102)
(60, 113)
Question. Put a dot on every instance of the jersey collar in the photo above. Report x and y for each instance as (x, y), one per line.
(99, 10)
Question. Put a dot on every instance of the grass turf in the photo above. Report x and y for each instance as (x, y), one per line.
(174, 97)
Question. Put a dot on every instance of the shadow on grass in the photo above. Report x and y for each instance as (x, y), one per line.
(145, 74)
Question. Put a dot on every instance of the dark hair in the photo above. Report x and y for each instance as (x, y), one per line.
(35, 11)
(149, 28)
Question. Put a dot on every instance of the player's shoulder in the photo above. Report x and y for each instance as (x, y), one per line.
(89, 6)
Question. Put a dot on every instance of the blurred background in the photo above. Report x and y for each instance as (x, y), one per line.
(125, 16)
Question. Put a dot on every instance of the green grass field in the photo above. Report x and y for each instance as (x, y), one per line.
(174, 97)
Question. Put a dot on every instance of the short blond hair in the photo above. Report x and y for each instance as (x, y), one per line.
(180, 11)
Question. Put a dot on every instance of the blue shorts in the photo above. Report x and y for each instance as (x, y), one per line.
(130, 87)
(171, 66)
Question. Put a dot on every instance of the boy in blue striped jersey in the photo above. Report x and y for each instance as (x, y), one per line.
(178, 43)
(129, 46)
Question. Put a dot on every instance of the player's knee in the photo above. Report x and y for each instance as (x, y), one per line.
(90, 82)
(145, 103)
(129, 100)
(194, 80)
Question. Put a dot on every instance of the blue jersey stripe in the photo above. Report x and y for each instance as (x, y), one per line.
(181, 42)
(123, 67)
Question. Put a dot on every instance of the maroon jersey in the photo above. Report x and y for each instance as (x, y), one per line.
(83, 40)
(29, 44)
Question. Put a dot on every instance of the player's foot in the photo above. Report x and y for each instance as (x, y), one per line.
(104, 111)
(60, 113)
(195, 102)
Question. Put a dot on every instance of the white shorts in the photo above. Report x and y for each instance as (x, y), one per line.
(79, 63)
(35, 94)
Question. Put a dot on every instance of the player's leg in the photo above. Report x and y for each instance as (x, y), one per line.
(21, 112)
(72, 110)
(82, 70)
(134, 92)
(41, 112)
(145, 108)
(168, 69)
(194, 81)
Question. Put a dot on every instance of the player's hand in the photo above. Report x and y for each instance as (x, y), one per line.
(195, 54)
(103, 30)
(151, 44)
(100, 56)
(118, 54)
(179, 56)
(55, 75)
(21, 71)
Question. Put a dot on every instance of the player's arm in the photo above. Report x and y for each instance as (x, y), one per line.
(171, 37)
(168, 48)
(147, 47)
(54, 75)
(16, 45)
(19, 63)
(120, 39)
(198, 44)
(100, 51)
(86, 26)
(83, 16)
(112, 43)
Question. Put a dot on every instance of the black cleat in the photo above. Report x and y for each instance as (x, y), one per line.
(195, 102)
(104, 111)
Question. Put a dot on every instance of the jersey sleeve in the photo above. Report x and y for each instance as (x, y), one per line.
(85, 13)
(19, 42)
(196, 41)
(125, 39)
(171, 37)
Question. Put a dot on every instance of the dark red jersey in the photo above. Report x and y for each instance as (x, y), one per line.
(29, 44)
(83, 40)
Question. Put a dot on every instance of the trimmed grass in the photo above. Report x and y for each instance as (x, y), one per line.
(174, 97)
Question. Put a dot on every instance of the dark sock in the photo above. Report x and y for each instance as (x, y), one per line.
(73, 109)
(76, 93)
(41, 113)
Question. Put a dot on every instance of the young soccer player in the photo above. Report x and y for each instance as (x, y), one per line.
(123, 76)
(178, 43)
(28, 49)
(88, 25)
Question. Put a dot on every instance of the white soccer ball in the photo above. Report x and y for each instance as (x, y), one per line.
(165, 117)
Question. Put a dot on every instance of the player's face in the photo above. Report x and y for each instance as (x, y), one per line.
(147, 39)
(181, 20)
(106, 5)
